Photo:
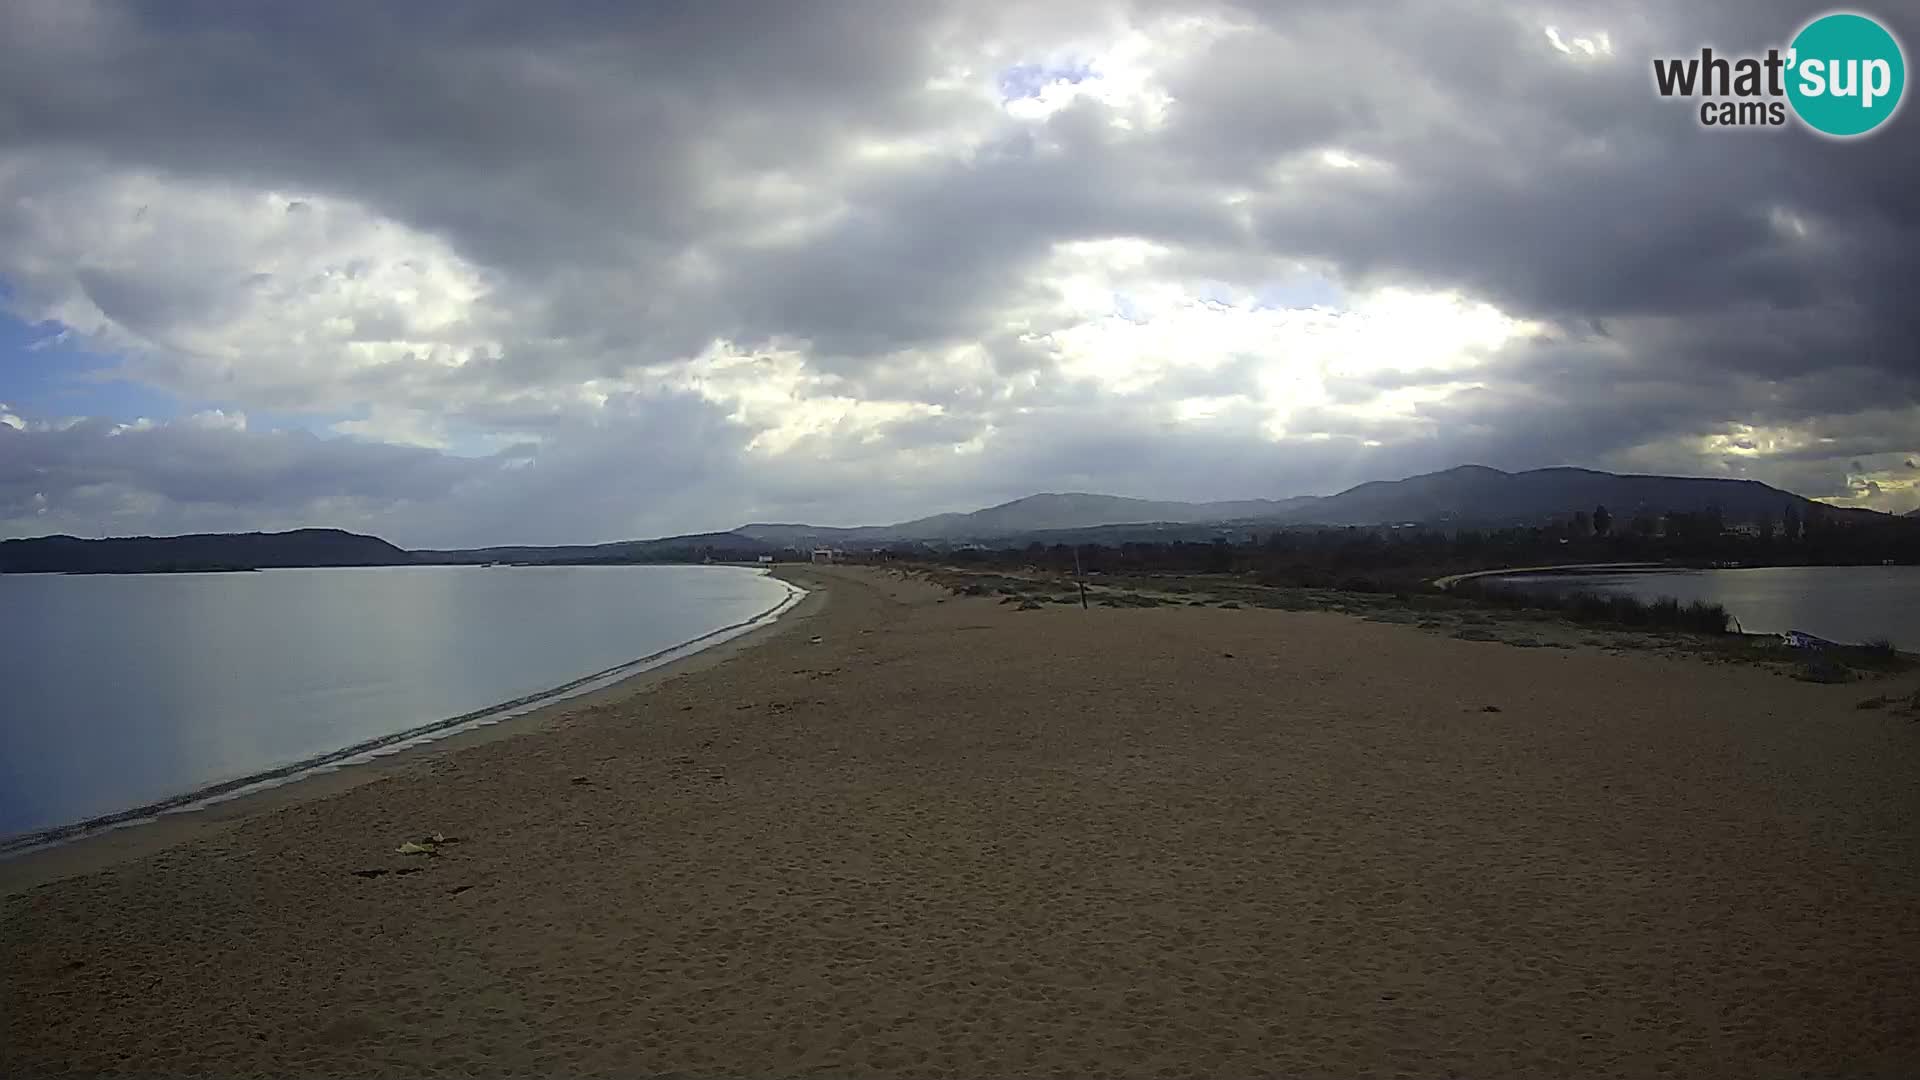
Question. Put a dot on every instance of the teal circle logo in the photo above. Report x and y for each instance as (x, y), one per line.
(1846, 74)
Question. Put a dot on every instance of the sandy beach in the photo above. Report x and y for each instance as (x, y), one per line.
(907, 834)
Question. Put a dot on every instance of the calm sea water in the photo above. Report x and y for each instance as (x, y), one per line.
(1840, 603)
(120, 691)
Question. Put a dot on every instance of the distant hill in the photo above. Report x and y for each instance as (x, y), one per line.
(204, 551)
(1077, 510)
(332, 547)
(1475, 493)
(689, 548)
(1468, 494)
(1034, 513)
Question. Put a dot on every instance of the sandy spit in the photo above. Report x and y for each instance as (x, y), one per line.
(954, 839)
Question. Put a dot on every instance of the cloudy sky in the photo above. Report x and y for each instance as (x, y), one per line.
(470, 273)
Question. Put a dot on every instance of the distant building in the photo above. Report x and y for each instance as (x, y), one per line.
(823, 555)
(766, 559)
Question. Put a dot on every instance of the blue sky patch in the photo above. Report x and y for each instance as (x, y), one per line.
(1305, 291)
(1030, 80)
(46, 379)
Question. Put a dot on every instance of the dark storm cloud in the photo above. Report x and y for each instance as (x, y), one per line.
(628, 178)
(552, 141)
(552, 118)
(650, 465)
(574, 146)
(1566, 190)
(930, 256)
(45, 472)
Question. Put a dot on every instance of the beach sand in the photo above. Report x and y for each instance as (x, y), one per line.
(952, 838)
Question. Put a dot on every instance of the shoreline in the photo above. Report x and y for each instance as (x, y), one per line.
(33, 859)
(1450, 580)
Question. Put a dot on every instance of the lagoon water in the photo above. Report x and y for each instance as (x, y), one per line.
(121, 691)
(1840, 603)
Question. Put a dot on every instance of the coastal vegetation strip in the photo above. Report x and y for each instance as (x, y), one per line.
(1472, 611)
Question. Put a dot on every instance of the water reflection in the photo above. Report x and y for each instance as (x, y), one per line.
(117, 691)
(1840, 603)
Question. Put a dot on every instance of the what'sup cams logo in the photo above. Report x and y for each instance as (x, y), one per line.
(1843, 75)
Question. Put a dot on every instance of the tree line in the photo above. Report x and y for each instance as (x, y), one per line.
(1395, 558)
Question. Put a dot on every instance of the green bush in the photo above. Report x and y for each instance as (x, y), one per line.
(1665, 613)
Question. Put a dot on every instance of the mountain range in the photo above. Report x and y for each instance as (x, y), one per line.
(203, 551)
(1034, 513)
(1466, 495)
(1469, 495)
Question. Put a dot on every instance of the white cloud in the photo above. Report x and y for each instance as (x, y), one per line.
(1131, 330)
(1581, 46)
(271, 298)
(1120, 72)
(216, 420)
(400, 426)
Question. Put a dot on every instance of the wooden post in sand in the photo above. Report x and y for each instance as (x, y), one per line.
(1078, 578)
